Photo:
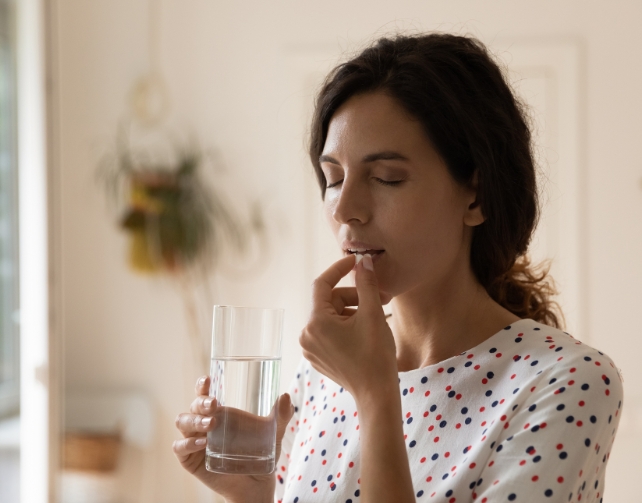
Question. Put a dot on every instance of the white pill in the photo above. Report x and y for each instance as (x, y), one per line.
(359, 257)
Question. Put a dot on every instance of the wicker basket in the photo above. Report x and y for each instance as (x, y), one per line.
(91, 451)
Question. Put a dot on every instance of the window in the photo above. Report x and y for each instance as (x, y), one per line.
(9, 357)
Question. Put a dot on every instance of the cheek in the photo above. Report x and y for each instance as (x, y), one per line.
(328, 211)
(425, 234)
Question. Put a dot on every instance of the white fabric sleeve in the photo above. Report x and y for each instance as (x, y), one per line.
(556, 446)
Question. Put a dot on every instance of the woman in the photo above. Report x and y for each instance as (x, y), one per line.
(426, 170)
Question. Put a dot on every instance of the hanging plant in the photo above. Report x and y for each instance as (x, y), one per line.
(175, 220)
(178, 224)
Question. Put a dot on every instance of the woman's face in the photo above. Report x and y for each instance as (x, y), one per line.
(389, 192)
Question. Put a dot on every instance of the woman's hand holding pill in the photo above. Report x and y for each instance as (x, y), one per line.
(353, 347)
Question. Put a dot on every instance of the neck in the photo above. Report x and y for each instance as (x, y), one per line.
(431, 324)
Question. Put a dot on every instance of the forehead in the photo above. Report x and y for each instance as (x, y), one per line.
(373, 120)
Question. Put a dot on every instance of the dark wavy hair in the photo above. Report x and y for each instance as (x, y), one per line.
(457, 91)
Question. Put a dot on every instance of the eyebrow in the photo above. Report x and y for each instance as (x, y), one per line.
(377, 156)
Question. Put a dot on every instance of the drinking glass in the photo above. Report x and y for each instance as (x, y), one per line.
(244, 379)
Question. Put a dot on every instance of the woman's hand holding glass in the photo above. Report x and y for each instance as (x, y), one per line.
(190, 451)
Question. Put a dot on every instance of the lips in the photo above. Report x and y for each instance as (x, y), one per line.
(364, 252)
(361, 247)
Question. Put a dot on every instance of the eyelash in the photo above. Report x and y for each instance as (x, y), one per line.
(379, 180)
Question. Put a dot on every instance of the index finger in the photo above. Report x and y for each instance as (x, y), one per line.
(323, 285)
(202, 386)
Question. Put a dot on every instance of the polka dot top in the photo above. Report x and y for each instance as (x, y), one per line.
(529, 415)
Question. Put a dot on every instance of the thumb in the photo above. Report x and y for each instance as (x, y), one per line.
(284, 412)
(367, 286)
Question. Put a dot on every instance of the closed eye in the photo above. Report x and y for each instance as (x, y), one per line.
(389, 183)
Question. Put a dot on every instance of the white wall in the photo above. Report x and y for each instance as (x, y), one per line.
(227, 66)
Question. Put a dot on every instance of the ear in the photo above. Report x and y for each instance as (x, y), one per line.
(473, 215)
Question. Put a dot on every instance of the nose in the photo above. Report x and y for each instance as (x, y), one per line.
(352, 204)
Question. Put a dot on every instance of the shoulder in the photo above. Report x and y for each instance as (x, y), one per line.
(567, 364)
(571, 351)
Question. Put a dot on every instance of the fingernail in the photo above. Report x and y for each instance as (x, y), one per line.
(207, 403)
(200, 441)
(359, 257)
(206, 421)
(367, 262)
(201, 381)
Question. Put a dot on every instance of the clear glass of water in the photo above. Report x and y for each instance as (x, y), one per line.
(244, 379)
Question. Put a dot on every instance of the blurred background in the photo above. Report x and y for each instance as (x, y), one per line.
(115, 113)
